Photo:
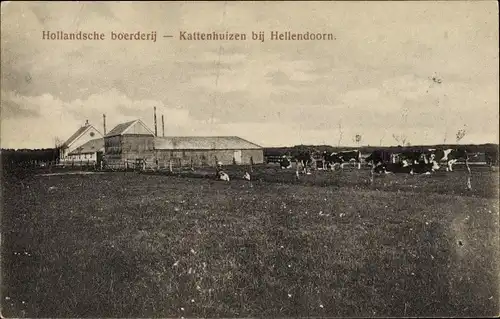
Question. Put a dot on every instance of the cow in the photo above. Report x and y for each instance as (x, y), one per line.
(392, 168)
(341, 158)
(219, 173)
(412, 162)
(285, 162)
(379, 157)
(406, 167)
(413, 156)
(306, 161)
(223, 176)
(450, 156)
(424, 168)
(246, 176)
(491, 157)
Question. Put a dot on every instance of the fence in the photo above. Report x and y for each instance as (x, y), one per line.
(171, 165)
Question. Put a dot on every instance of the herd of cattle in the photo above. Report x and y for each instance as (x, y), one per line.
(382, 161)
(420, 161)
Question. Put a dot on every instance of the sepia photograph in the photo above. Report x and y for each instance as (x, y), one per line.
(246, 159)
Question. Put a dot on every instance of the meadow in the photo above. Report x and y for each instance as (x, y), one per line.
(128, 244)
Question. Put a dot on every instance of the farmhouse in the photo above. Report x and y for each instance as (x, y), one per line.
(83, 135)
(133, 142)
(90, 152)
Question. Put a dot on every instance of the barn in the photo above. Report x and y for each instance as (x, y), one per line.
(133, 142)
(129, 143)
(206, 151)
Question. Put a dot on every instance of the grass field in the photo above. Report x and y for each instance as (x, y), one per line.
(331, 244)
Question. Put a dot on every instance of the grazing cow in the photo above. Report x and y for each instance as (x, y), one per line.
(450, 156)
(341, 158)
(491, 157)
(285, 162)
(306, 160)
(378, 157)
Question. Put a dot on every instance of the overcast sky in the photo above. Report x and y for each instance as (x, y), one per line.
(375, 79)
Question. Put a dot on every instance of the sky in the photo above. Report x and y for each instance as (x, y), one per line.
(420, 71)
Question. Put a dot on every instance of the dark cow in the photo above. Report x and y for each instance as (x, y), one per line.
(412, 162)
(342, 158)
(306, 160)
(393, 168)
(285, 162)
(406, 167)
(491, 157)
(378, 157)
(413, 156)
(424, 168)
(450, 156)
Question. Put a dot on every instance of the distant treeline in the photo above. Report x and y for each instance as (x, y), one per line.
(490, 149)
(22, 157)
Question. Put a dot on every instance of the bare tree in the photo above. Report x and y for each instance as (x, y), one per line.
(341, 133)
(460, 134)
(401, 139)
(382, 138)
(57, 142)
(357, 139)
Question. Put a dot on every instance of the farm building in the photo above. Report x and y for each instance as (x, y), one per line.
(83, 135)
(90, 152)
(133, 142)
(129, 143)
(206, 151)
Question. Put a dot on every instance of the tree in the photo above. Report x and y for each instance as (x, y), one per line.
(401, 139)
(357, 138)
(58, 144)
(382, 138)
(341, 133)
(460, 134)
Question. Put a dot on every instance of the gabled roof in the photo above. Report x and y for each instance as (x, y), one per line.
(123, 128)
(78, 133)
(91, 146)
(203, 143)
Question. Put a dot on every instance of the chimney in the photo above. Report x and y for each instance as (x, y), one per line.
(104, 122)
(156, 128)
(86, 122)
(162, 126)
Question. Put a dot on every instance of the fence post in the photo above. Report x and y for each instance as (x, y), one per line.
(170, 165)
(297, 173)
(469, 173)
(192, 164)
(372, 170)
